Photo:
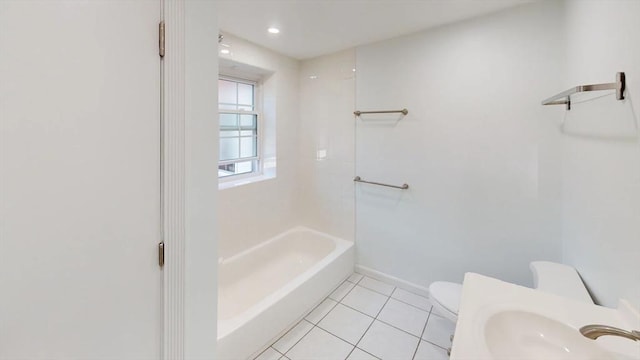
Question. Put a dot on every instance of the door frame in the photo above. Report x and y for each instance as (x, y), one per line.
(189, 73)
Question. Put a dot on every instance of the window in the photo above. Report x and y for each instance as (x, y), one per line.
(239, 152)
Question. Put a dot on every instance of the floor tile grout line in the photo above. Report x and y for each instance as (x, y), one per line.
(385, 304)
(328, 312)
(303, 336)
(363, 313)
(328, 332)
(365, 351)
(276, 350)
(413, 306)
(314, 309)
(315, 325)
(397, 328)
(382, 321)
(374, 290)
(345, 340)
(265, 350)
(404, 302)
(425, 329)
(374, 320)
(421, 335)
(352, 308)
(434, 344)
(283, 335)
(340, 302)
(345, 295)
(305, 319)
(356, 281)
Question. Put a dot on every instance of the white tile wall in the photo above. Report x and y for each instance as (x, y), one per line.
(366, 324)
(326, 141)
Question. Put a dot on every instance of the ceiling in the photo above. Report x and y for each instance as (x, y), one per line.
(310, 28)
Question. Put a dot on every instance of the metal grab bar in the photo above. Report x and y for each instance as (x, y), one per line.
(359, 179)
(564, 98)
(403, 111)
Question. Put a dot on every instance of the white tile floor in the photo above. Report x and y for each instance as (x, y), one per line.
(366, 319)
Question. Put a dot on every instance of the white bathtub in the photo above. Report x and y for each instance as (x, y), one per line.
(264, 290)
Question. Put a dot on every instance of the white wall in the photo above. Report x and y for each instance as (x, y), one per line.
(251, 213)
(326, 140)
(477, 149)
(601, 151)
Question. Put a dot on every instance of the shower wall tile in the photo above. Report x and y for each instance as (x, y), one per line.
(327, 148)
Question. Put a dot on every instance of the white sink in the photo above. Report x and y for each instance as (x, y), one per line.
(522, 335)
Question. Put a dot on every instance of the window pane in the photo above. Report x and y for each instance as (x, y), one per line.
(248, 121)
(229, 133)
(245, 95)
(242, 167)
(229, 148)
(248, 147)
(238, 130)
(224, 170)
(227, 107)
(227, 92)
(227, 120)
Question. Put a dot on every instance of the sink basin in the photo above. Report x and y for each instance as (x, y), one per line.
(522, 335)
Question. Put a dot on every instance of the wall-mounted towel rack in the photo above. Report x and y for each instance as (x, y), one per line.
(359, 179)
(564, 98)
(403, 112)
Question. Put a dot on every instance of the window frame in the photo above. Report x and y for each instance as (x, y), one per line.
(257, 107)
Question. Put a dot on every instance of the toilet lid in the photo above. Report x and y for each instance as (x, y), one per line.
(447, 294)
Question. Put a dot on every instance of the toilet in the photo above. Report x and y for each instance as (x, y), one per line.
(548, 276)
(445, 298)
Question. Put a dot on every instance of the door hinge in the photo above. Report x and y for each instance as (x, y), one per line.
(161, 254)
(161, 39)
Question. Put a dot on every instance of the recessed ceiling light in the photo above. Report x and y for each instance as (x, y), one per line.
(225, 51)
(273, 30)
(313, 77)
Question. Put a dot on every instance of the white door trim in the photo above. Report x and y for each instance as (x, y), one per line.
(190, 71)
(173, 109)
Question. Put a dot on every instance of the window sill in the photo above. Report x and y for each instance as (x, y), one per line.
(228, 184)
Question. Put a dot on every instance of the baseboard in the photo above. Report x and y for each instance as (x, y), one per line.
(402, 284)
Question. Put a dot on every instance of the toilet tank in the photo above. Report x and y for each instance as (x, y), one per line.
(559, 279)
